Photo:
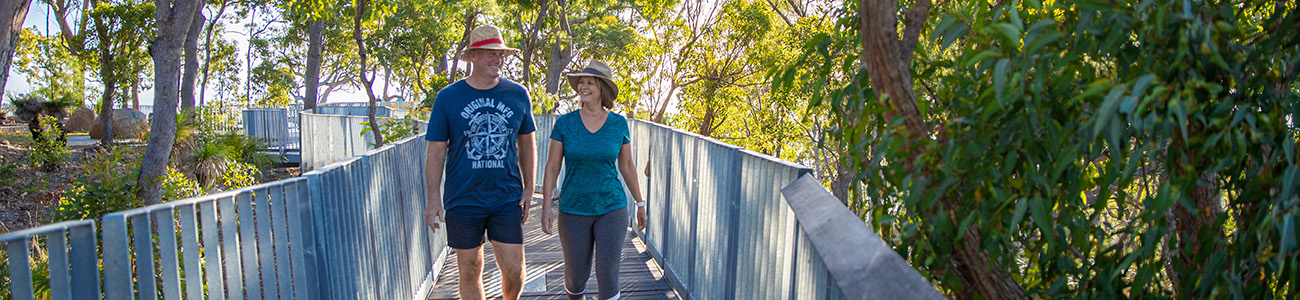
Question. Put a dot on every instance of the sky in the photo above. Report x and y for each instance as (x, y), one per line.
(38, 16)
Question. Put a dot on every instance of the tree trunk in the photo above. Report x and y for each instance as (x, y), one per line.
(207, 52)
(248, 56)
(470, 16)
(1187, 222)
(106, 73)
(530, 43)
(887, 59)
(135, 96)
(12, 15)
(316, 36)
(71, 41)
(368, 82)
(174, 21)
(191, 62)
(560, 58)
(560, 54)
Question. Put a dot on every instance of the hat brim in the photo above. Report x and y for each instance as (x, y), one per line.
(464, 54)
(574, 84)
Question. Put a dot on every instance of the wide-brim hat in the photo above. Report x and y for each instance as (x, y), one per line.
(597, 69)
(486, 37)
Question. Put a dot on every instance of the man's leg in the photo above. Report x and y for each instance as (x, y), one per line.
(465, 226)
(510, 260)
(505, 229)
(470, 264)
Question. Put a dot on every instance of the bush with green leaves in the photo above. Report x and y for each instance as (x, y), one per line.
(393, 129)
(1086, 149)
(105, 188)
(49, 152)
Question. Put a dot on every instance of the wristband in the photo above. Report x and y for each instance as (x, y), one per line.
(640, 204)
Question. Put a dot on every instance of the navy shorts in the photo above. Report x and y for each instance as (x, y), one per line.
(466, 225)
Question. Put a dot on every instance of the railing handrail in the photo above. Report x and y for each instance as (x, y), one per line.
(721, 227)
(45, 229)
(854, 254)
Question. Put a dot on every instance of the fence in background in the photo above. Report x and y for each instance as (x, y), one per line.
(274, 126)
(357, 109)
(329, 138)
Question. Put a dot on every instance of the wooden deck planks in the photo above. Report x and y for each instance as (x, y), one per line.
(639, 275)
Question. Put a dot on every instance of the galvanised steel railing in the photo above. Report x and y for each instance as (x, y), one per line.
(356, 109)
(250, 243)
(718, 222)
(72, 261)
(353, 229)
(350, 230)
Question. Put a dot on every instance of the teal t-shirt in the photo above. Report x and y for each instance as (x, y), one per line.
(591, 186)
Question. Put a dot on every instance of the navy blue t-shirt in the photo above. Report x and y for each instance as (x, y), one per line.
(481, 128)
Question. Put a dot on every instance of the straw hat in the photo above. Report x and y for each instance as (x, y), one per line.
(597, 69)
(486, 37)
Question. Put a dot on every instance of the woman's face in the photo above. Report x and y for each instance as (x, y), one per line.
(589, 90)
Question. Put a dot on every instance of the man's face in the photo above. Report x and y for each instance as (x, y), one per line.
(488, 62)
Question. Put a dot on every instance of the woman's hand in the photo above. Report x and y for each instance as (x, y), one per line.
(640, 218)
(548, 221)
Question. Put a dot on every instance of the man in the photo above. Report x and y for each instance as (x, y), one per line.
(481, 131)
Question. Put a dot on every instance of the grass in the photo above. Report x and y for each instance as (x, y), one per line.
(16, 137)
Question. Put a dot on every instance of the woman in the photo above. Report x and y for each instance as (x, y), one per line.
(593, 207)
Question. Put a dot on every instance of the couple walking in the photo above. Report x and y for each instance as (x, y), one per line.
(481, 138)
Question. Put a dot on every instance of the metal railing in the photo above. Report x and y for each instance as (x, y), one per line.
(369, 214)
(350, 230)
(356, 109)
(275, 126)
(73, 262)
(718, 223)
(330, 138)
(353, 229)
(249, 243)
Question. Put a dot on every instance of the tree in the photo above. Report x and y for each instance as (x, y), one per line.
(119, 35)
(1074, 150)
(173, 21)
(191, 73)
(54, 72)
(12, 15)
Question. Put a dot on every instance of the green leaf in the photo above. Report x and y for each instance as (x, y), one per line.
(981, 57)
(1000, 78)
(1042, 216)
(1021, 206)
(1008, 32)
(1107, 110)
(965, 223)
(951, 35)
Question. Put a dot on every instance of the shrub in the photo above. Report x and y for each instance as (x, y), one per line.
(176, 186)
(6, 172)
(105, 188)
(393, 129)
(49, 151)
(238, 175)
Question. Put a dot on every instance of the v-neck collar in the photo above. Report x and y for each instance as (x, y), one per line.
(584, 123)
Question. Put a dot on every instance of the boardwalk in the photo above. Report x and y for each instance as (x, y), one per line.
(640, 276)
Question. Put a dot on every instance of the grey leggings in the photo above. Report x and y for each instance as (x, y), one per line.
(579, 235)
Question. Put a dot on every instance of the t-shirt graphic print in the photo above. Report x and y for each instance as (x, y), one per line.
(488, 133)
(481, 128)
